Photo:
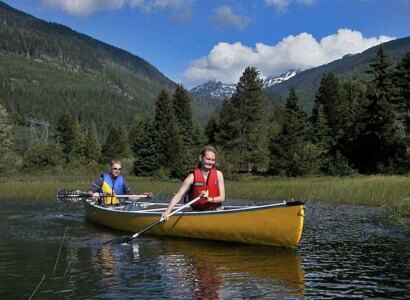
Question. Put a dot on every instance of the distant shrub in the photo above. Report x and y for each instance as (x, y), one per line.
(41, 156)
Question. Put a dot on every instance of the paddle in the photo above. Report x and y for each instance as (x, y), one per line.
(127, 239)
(76, 195)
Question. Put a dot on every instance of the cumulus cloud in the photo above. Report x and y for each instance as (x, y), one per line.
(282, 5)
(226, 62)
(225, 17)
(180, 9)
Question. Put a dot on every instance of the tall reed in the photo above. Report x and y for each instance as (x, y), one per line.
(389, 191)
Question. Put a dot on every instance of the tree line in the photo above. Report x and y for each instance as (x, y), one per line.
(355, 126)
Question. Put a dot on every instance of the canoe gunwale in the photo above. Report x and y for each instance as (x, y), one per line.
(225, 210)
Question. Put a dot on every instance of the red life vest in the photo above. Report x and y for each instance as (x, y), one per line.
(199, 185)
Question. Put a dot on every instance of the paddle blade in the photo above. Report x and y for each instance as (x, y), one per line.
(119, 241)
(70, 195)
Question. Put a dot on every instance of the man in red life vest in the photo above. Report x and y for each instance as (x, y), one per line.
(205, 181)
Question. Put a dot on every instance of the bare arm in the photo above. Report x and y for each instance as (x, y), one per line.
(189, 180)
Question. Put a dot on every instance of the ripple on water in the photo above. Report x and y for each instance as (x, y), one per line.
(345, 252)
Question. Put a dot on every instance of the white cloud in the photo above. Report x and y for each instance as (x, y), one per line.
(225, 17)
(180, 9)
(226, 62)
(282, 5)
(84, 7)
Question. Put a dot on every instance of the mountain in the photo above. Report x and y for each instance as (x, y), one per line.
(214, 89)
(220, 90)
(307, 82)
(47, 68)
(274, 80)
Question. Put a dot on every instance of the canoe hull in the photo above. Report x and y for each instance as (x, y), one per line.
(274, 225)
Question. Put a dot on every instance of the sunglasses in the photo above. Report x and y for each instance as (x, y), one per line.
(116, 169)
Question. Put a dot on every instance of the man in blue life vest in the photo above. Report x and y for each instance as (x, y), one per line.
(111, 183)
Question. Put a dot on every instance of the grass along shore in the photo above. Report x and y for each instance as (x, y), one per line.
(382, 191)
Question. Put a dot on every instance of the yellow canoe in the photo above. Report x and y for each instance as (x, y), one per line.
(279, 224)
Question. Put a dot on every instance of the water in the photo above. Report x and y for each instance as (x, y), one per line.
(345, 252)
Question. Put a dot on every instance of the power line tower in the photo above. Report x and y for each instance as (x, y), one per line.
(38, 131)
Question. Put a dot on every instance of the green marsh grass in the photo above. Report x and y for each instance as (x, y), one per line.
(383, 191)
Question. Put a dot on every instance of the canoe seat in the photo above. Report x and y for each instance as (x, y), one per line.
(133, 207)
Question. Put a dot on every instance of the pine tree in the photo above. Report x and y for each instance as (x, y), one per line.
(180, 158)
(243, 130)
(319, 129)
(134, 135)
(113, 147)
(6, 128)
(199, 140)
(124, 144)
(144, 146)
(287, 145)
(93, 145)
(183, 113)
(332, 123)
(329, 97)
(402, 81)
(65, 133)
(78, 152)
(163, 118)
(380, 144)
(212, 129)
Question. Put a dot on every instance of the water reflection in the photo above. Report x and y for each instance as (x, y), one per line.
(215, 270)
(345, 252)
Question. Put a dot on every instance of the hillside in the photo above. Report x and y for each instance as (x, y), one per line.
(47, 68)
(307, 82)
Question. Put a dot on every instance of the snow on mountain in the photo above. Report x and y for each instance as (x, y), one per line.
(215, 89)
(220, 90)
(270, 81)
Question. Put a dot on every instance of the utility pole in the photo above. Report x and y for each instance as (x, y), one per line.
(38, 131)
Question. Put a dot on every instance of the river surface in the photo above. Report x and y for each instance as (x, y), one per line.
(49, 251)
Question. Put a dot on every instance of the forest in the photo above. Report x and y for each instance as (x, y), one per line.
(356, 126)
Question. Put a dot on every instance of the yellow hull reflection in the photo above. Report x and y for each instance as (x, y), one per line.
(278, 224)
(211, 265)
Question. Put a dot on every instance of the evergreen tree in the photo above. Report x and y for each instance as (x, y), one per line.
(287, 145)
(380, 144)
(163, 118)
(183, 113)
(5, 132)
(331, 123)
(136, 132)
(319, 129)
(354, 93)
(144, 146)
(243, 130)
(329, 98)
(93, 145)
(64, 134)
(78, 152)
(124, 144)
(180, 158)
(199, 140)
(113, 147)
(402, 81)
(212, 129)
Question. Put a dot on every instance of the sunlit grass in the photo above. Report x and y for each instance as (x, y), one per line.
(371, 190)
(384, 191)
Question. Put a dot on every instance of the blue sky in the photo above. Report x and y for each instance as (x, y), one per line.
(194, 41)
